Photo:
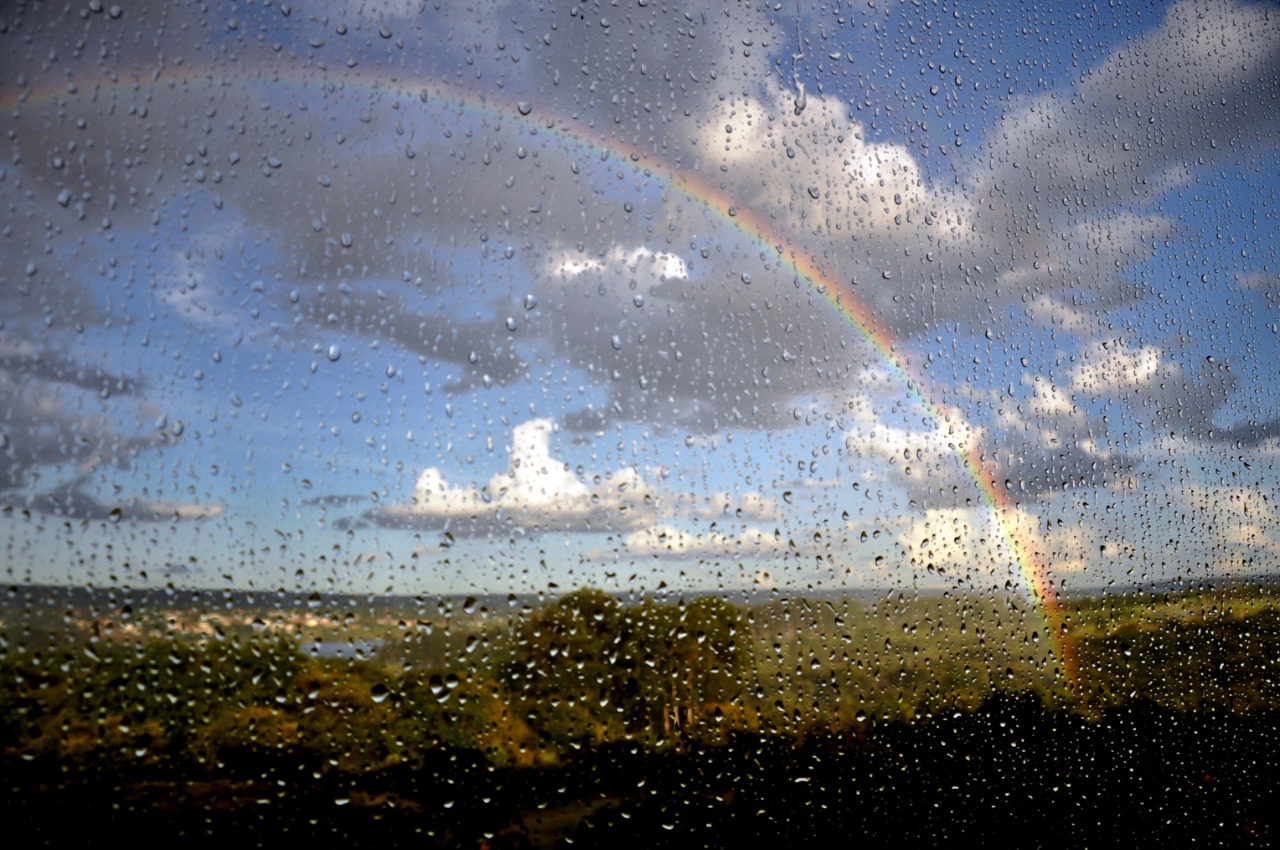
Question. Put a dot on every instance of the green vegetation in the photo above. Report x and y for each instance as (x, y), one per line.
(587, 671)
(532, 723)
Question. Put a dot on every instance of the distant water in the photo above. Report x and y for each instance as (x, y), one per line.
(352, 649)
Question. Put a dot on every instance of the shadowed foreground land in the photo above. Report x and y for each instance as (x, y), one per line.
(1009, 774)
(809, 723)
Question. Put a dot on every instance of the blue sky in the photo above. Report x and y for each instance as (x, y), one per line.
(273, 319)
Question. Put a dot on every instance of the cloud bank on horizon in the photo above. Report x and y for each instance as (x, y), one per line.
(365, 271)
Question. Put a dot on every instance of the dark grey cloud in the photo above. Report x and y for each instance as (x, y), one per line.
(480, 349)
(73, 501)
(47, 367)
(522, 523)
(41, 426)
(336, 499)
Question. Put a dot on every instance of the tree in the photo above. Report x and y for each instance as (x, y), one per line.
(588, 670)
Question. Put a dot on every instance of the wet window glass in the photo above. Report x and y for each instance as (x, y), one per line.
(513, 425)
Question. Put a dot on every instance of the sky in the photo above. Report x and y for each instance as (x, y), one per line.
(416, 297)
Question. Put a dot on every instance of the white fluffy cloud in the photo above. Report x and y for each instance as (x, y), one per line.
(1115, 368)
(928, 462)
(536, 493)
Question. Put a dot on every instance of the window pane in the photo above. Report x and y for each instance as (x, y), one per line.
(500, 425)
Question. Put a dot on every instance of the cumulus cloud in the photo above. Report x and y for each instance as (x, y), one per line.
(1113, 369)
(537, 493)
(927, 462)
(1173, 396)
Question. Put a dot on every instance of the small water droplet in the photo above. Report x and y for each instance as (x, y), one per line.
(524, 107)
(334, 353)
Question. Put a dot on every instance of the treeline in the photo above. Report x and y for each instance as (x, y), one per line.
(588, 672)
(581, 672)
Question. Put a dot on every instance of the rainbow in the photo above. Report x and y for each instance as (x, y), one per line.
(981, 470)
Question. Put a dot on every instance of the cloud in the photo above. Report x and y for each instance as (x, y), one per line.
(424, 225)
(1095, 159)
(43, 426)
(1171, 396)
(72, 501)
(927, 463)
(667, 541)
(1115, 369)
(536, 494)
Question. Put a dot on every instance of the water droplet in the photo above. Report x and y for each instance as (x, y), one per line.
(530, 302)
(616, 342)
(334, 353)
(524, 107)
